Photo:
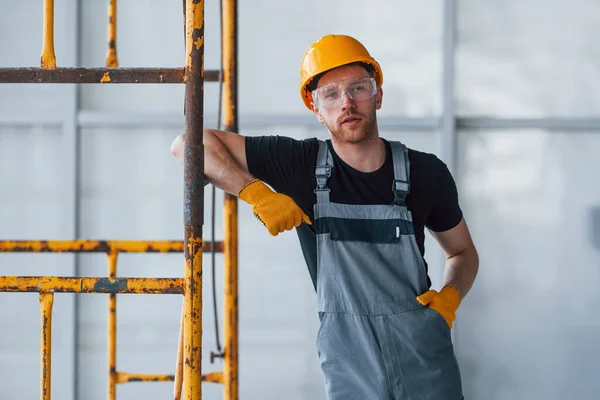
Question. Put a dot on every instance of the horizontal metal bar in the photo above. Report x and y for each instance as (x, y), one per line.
(100, 246)
(51, 284)
(550, 124)
(98, 75)
(99, 119)
(103, 119)
(126, 377)
(215, 377)
(26, 119)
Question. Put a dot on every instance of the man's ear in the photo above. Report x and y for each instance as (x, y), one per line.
(317, 112)
(379, 98)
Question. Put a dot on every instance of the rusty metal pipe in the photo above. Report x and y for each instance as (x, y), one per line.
(214, 377)
(91, 285)
(127, 377)
(98, 75)
(99, 246)
(230, 319)
(46, 302)
(193, 198)
(48, 59)
(230, 119)
(112, 329)
(111, 53)
(179, 364)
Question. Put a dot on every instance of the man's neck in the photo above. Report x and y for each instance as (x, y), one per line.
(364, 157)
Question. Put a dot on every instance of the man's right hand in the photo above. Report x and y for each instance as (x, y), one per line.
(276, 211)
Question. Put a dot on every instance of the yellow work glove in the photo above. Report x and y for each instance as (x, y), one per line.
(276, 211)
(446, 302)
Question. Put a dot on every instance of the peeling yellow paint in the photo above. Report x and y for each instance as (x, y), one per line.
(105, 78)
(194, 241)
(199, 15)
(199, 42)
(46, 302)
(48, 284)
(110, 246)
(48, 59)
(216, 377)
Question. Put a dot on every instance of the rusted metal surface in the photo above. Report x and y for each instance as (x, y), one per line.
(46, 302)
(112, 329)
(193, 75)
(192, 369)
(98, 75)
(99, 246)
(230, 119)
(48, 59)
(193, 198)
(230, 321)
(230, 67)
(127, 377)
(178, 382)
(111, 53)
(215, 377)
(91, 285)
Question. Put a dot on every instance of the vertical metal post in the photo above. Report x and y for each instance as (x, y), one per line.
(178, 380)
(112, 329)
(46, 302)
(48, 58)
(448, 140)
(448, 134)
(111, 53)
(193, 197)
(71, 168)
(230, 122)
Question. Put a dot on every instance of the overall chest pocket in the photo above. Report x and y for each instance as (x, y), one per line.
(364, 230)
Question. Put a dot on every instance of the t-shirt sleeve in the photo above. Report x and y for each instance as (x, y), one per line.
(280, 161)
(445, 212)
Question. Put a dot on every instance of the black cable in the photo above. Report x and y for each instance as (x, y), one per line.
(219, 111)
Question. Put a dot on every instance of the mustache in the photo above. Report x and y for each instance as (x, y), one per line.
(347, 115)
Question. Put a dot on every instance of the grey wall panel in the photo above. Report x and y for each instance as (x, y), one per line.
(528, 58)
(404, 36)
(407, 42)
(149, 34)
(529, 328)
(31, 186)
(130, 189)
(21, 46)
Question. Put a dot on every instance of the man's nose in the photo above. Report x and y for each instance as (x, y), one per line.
(347, 102)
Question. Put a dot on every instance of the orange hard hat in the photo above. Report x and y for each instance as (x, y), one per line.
(330, 52)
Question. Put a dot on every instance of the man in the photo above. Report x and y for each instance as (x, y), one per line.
(360, 205)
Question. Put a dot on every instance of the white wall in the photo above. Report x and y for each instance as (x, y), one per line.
(528, 328)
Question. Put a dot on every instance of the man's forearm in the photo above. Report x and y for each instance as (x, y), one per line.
(461, 270)
(220, 168)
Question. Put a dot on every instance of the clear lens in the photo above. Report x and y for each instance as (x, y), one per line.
(331, 95)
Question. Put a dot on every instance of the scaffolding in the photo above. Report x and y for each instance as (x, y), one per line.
(188, 372)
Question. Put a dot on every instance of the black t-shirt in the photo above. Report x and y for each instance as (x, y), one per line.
(288, 166)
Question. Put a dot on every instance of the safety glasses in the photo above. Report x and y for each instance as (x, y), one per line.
(331, 95)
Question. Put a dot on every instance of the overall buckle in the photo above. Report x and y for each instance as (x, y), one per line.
(400, 189)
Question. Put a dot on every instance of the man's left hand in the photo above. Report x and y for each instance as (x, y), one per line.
(446, 302)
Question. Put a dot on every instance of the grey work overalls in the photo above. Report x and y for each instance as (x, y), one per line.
(375, 340)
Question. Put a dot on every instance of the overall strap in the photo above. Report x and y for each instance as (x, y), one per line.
(401, 184)
(323, 172)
